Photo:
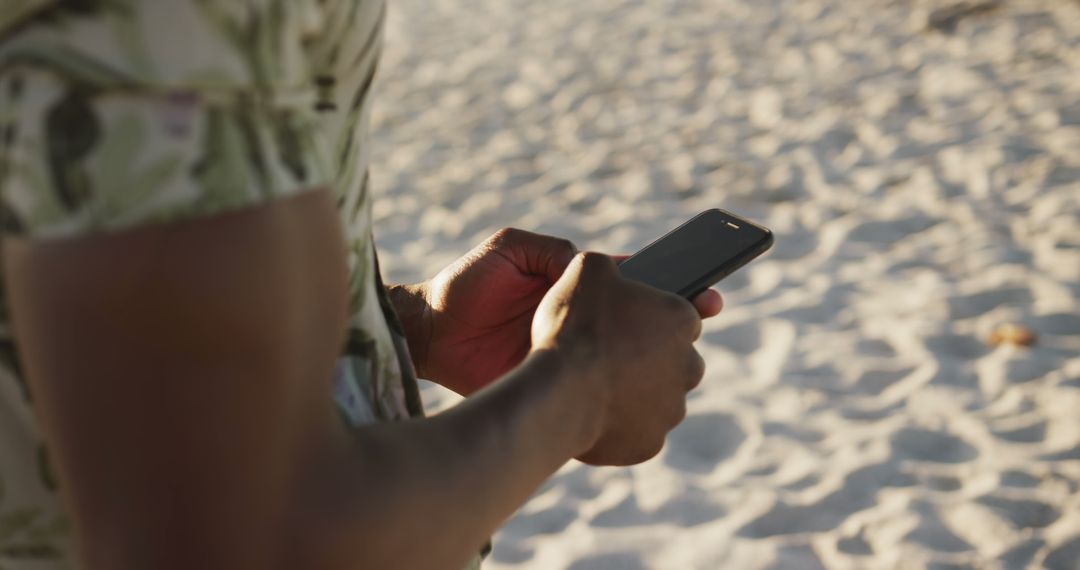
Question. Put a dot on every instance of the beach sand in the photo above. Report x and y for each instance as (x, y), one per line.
(919, 162)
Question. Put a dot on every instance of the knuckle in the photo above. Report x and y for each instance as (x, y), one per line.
(565, 245)
(679, 413)
(675, 304)
(689, 312)
(505, 235)
(591, 257)
(695, 327)
(652, 449)
(684, 311)
(697, 369)
(593, 261)
(641, 453)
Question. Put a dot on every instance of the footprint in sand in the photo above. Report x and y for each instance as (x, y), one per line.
(956, 346)
(856, 545)
(831, 307)
(1021, 513)
(575, 483)
(1070, 114)
(508, 551)
(764, 471)
(947, 566)
(703, 441)
(794, 246)
(625, 513)
(955, 374)
(800, 556)
(877, 381)
(740, 339)
(871, 414)
(858, 491)
(890, 231)
(690, 509)
(1064, 455)
(800, 434)
(547, 521)
(801, 484)
(975, 304)
(931, 446)
(735, 282)
(1064, 324)
(1063, 557)
(1031, 364)
(942, 483)
(875, 347)
(1033, 433)
(1019, 479)
(609, 561)
(1019, 557)
(933, 534)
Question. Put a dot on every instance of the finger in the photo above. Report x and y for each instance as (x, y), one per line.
(556, 257)
(697, 370)
(620, 258)
(684, 317)
(534, 254)
(709, 304)
(676, 414)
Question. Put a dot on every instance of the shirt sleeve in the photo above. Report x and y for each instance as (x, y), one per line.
(136, 113)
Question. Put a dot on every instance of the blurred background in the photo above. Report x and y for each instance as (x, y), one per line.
(895, 385)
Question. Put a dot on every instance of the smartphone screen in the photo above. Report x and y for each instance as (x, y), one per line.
(698, 254)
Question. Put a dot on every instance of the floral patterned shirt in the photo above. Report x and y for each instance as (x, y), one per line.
(116, 114)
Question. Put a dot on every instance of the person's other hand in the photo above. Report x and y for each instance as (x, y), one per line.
(480, 308)
(633, 348)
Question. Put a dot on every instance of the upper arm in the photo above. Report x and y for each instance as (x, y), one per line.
(177, 295)
(178, 371)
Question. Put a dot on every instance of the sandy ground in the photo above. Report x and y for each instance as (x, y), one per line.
(921, 169)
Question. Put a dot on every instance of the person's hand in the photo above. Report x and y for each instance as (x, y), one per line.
(480, 308)
(477, 312)
(634, 347)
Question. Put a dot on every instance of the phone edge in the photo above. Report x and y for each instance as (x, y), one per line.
(701, 285)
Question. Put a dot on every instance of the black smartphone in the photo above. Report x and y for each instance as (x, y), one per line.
(698, 254)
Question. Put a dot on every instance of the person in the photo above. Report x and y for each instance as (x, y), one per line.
(201, 365)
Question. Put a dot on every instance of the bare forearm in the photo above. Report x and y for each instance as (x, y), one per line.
(451, 479)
